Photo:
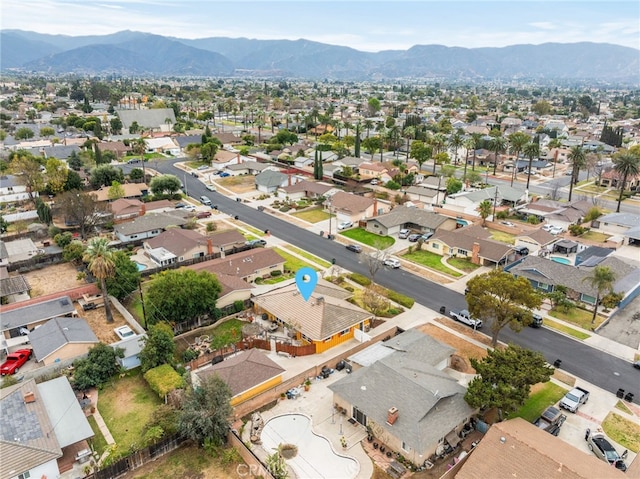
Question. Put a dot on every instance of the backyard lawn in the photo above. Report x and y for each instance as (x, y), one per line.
(502, 237)
(430, 260)
(595, 236)
(543, 395)
(98, 442)
(370, 239)
(313, 215)
(126, 405)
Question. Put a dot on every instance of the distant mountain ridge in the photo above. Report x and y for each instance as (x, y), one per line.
(136, 53)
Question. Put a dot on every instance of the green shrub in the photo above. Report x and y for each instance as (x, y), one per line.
(163, 379)
(63, 239)
(360, 279)
(392, 185)
(351, 289)
(238, 306)
(502, 215)
(533, 220)
(190, 355)
(276, 273)
(401, 299)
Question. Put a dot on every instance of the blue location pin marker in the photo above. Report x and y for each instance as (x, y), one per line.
(306, 280)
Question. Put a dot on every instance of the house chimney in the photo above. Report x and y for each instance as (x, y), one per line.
(143, 209)
(392, 415)
(475, 253)
(29, 397)
(375, 206)
(289, 180)
(209, 246)
(320, 300)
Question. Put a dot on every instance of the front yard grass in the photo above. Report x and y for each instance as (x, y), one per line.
(623, 407)
(566, 329)
(309, 256)
(370, 239)
(293, 263)
(463, 264)
(544, 395)
(126, 405)
(313, 215)
(621, 430)
(579, 317)
(430, 260)
(595, 236)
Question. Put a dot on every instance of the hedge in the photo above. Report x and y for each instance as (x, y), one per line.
(401, 299)
(360, 279)
(163, 379)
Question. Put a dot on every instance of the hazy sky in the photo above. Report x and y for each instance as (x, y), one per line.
(368, 25)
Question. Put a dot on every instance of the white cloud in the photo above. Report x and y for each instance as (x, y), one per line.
(544, 25)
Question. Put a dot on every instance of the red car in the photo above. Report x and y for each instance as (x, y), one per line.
(15, 361)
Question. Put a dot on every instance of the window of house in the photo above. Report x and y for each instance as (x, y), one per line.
(133, 236)
(24, 475)
(435, 245)
(328, 339)
(405, 446)
(463, 252)
(346, 331)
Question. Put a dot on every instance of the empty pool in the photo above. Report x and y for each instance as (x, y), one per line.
(559, 259)
(316, 458)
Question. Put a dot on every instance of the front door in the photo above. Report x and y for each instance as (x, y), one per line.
(359, 416)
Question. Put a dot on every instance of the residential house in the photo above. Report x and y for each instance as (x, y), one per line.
(421, 194)
(176, 245)
(535, 240)
(625, 226)
(20, 250)
(233, 289)
(247, 373)
(149, 225)
(431, 409)
(157, 119)
(556, 213)
(227, 242)
(355, 208)
(472, 243)
(467, 202)
(249, 168)
(124, 209)
(15, 316)
(13, 288)
(557, 125)
(350, 161)
(545, 275)
(269, 181)
(247, 265)
(162, 145)
(610, 178)
(415, 219)
(369, 170)
(228, 140)
(43, 429)
(326, 319)
(299, 162)
(224, 158)
(184, 141)
(131, 191)
(517, 448)
(117, 147)
(307, 189)
(11, 189)
(62, 338)
(131, 348)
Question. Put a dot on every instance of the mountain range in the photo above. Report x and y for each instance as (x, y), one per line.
(136, 53)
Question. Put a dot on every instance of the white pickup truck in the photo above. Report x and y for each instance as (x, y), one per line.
(574, 399)
(464, 316)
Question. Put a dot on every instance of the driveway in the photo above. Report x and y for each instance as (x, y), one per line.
(622, 327)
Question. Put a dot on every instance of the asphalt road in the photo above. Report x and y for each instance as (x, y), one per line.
(602, 369)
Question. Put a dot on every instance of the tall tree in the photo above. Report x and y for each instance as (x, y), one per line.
(80, 210)
(497, 145)
(531, 151)
(602, 279)
(626, 165)
(484, 208)
(455, 142)
(125, 278)
(577, 157)
(499, 298)
(476, 139)
(206, 411)
(159, 347)
(28, 172)
(100, 258)
(517, 142)
(139, 147)
(504, 378)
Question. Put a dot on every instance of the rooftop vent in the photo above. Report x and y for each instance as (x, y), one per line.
(29, 397)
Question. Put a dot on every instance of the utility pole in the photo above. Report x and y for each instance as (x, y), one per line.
(144, 314)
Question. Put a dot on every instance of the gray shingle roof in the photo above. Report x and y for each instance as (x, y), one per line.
(148, 222)
(58, 332)
(270, 178)
(622, 219)
(403, 215)
(36, 312)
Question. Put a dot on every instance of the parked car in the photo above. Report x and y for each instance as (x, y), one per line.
(194, 174)
(574, 399)
(202, 167)
(403, 234)
(537, 321)
(256, 243)
(374, 182)
(205, 200)
(392, 263)
(124, 332)
(604, 450)
(354, 247)
(224, 174)
(344, 225)
(551, 420)
(210, 187)
(636, 365)
(426, 236)
(414, 237)
(507, 223)
(521, 250)
(556, 230)
(15, 361)
(180, 205)
(203, 214)
(464, 316)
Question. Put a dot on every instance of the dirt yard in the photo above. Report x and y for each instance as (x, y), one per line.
(58, 277)
(464, 349)
(238, 184)
(98, 323)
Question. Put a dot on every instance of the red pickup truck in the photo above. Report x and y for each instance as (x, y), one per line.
(15, 361)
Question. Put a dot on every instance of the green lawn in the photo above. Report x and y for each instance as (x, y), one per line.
(581, 335)
(579, 317)
(253, 230)
(595, 236)
(430, 260)
(370, 239)
(196, 164)
(503, 237)
(313, 215)
(463, 264)
(126, 405)
(147, 157)
(621, 430)
(546, 396)
(98, 442)
(293, 263)
(309, 256)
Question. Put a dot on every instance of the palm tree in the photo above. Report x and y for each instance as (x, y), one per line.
(497, 145)
(517, 141)
(455, 142)
(476, 138)
(468, 145)
(484, 208)
(531, 150)
(101, 264)
(577, 158)
(139, 148)
(626, 165)
(409, 133)
(602, 280)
